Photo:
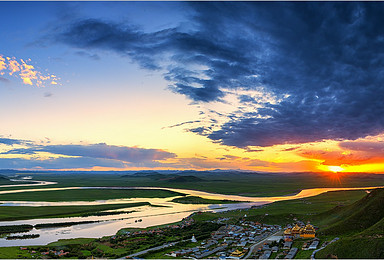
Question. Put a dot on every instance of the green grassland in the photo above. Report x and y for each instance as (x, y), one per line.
(360, 226)
(4, 181)
(284, 212)
(74, 241)
(17, 213)
(86, 195)
(356, 217)
(361, 248)
(13, 252)
(232, 183)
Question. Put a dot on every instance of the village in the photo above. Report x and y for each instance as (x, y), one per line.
(242, 239)
(255, 240)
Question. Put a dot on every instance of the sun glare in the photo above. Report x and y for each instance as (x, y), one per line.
(335, 168)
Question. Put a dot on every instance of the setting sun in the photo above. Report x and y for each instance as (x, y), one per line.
(335, 168)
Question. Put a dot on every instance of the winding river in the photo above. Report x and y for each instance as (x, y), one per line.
(169, 212)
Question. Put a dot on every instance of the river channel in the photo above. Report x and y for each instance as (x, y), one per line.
(169, 212)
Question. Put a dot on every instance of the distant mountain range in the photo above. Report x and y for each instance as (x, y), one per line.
(164, 177)
(182, 172)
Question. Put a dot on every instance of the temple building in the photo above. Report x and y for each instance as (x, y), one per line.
(308, 231)
(237, 253)
(288, 234)
(305, 232)
(296, 231)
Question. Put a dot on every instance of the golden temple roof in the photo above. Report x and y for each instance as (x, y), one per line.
(296, 228)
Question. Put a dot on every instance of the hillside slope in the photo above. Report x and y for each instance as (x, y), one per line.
(357, 217)
(361, 226)
(354, 247)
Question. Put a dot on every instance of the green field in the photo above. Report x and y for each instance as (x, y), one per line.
(283, 212)
(86, 195)
(8, 213)
(13, 252)
(233, 183)
(360, 248)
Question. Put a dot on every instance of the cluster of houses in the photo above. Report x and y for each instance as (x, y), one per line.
(46, 253)
(228, 242)
(54, 252)
(234, 241)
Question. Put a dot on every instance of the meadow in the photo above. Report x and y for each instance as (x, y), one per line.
(9, 213)
(86, 195)
(284, 212)
(231, 183)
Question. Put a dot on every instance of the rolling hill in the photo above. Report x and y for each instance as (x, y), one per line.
(360, 226)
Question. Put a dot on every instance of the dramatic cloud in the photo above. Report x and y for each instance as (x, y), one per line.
(321, 62)
(26, 72)
(101, 151)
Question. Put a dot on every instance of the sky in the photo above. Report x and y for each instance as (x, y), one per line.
(256, 86)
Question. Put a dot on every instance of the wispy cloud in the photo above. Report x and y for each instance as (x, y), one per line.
(181, 124)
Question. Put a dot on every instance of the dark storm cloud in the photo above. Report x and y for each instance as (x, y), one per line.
(328, 57)
(101, 151)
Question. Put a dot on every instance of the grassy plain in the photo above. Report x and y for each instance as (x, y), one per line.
(17, 213)
(232, 183)
(86, 195)
(13, 252)
(355, 247)
(283, 212)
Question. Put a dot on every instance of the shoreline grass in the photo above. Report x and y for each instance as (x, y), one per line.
(11, 213)
(87, 195)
